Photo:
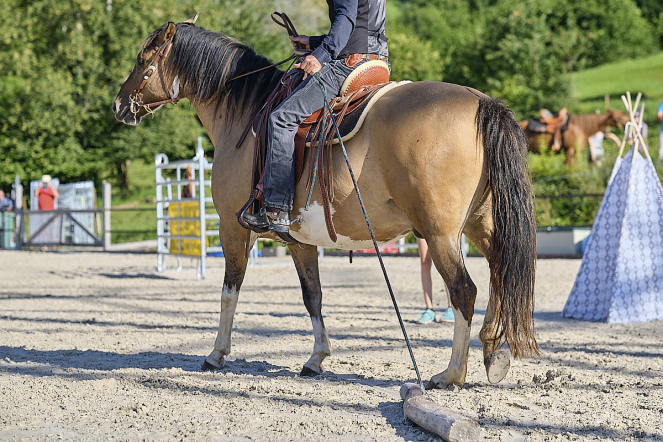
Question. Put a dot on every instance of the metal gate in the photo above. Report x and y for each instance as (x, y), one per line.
(182, 210)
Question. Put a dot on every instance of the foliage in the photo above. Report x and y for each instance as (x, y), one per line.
(406, 62)
(551, 178)
(652, 11)
(63, 63)
(522, 51)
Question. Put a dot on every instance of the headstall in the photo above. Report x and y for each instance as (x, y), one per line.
(134, 103)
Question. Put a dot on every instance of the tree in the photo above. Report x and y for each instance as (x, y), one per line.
(63, 64)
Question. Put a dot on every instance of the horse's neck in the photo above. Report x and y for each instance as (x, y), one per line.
(223, 132)
(591, 124)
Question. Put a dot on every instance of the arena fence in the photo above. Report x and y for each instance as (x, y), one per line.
(185, 210)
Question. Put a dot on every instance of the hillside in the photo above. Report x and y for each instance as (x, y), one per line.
(640, 75)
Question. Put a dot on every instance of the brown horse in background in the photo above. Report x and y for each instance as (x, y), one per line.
(575, 137)
(435, 158)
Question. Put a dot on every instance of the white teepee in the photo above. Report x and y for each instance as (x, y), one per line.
(621, 275)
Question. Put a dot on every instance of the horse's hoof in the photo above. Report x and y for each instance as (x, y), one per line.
(432, 385)
(308, 372)
(209, 367)
(443, 380)
(497, 366)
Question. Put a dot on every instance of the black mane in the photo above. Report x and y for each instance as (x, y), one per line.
(205, 61)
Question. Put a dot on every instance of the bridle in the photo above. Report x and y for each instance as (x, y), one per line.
(134, 103)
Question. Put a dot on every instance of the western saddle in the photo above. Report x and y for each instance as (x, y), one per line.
(316, 132)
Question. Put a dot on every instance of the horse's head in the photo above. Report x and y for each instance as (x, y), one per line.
(615, 118)
(149, 85)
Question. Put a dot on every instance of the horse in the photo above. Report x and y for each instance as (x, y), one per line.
(432, 158)
(575, 137)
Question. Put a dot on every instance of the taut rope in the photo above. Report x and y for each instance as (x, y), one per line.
(370, 229)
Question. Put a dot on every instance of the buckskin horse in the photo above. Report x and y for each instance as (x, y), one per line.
(576, 135)
(435, 158)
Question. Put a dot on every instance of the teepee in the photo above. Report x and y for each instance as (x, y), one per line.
(621, 276)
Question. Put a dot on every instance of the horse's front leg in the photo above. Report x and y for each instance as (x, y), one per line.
(306, 262)
(448, 259)
(233, 252)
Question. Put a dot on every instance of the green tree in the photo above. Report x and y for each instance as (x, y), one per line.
(63, 62)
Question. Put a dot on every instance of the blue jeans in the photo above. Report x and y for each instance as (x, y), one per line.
(279, 178)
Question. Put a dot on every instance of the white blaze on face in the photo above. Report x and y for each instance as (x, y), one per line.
(313, 230)
(176, 87)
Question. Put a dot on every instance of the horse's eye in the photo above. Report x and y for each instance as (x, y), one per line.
(141, 61)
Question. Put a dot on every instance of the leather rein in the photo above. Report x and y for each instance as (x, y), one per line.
(135, 104)
(292, 32)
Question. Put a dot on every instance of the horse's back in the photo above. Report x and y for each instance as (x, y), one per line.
(416, 157)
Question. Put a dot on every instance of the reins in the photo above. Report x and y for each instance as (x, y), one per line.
(292, 32)
(370, 229)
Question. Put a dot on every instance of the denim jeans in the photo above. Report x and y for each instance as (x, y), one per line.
(279, 179)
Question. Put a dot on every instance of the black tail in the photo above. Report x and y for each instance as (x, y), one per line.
(512, 255)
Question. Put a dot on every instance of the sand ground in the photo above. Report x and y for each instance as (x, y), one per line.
(99, 346)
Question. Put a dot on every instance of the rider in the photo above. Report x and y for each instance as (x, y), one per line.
(356, 35)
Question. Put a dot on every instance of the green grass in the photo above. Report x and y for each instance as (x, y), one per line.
(641, 75)
(141, 195)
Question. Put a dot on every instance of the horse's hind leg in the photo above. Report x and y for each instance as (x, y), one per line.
(448, 259)
(306, 262)
(233, 251)
(497, 362)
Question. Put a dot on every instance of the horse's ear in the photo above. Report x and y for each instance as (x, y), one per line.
(193, 19)
(167, 33)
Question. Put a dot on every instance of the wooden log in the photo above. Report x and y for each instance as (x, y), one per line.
(443, 421)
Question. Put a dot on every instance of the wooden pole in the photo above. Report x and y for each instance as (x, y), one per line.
(445, 422)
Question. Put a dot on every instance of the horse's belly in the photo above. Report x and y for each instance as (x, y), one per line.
(312, 229)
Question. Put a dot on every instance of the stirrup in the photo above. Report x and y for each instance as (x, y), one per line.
(257, 220)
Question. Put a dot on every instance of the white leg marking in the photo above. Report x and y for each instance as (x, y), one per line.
(229, 296)
(321, 348)
(460, 347)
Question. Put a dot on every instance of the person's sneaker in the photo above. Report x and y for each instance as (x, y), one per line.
(426, 317)
(447, 316)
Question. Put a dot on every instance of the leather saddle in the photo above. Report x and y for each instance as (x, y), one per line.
(554, 124)
(316, 132)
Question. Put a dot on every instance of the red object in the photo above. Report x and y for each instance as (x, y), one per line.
(46, 198)
(387, 248)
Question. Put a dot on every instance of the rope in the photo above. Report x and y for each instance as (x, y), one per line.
(370, 229)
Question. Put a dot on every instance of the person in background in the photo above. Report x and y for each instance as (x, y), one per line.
(428, 315)
(596, 148)
(659, 117)
(6, 204)
(46, 193)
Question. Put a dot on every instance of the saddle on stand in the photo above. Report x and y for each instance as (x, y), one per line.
(555, 125)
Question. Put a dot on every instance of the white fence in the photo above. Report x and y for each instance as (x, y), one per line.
(182, 204)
